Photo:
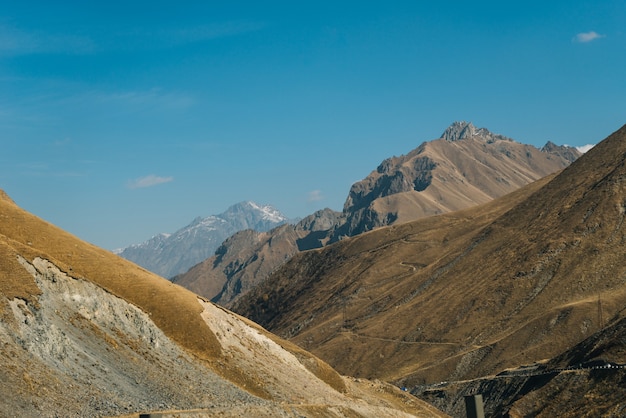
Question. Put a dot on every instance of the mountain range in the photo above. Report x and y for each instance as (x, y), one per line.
(466, 166)
(521, 298)
(170, 254)
(85, 333)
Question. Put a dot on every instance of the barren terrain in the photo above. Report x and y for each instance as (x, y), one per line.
(465, 167)
(86, 333)
(467, 294)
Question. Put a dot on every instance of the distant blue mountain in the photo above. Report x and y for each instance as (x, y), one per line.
(172, 254)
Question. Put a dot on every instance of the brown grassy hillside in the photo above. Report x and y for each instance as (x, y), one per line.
(465, 294)
(86, 333)
(170, 306)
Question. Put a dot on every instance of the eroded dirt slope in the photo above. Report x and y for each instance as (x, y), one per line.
(85, 333)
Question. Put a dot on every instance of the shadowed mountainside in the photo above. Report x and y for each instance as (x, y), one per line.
(86, 333)
(465, 294)
(247, 257)
(585, 381)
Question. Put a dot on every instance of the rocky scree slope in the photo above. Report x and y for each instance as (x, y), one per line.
(466, 294)
(465, 167)
(86, 333)
(170, 254)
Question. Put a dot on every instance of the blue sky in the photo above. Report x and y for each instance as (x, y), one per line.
(119, 120)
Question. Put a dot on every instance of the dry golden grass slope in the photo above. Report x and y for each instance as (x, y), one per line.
(464, 294)
(86, 333)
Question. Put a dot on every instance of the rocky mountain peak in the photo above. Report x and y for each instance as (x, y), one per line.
(463, 130)
(564, 151)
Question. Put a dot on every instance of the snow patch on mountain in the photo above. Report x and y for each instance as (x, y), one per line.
(269, 213)
(171, 254)
(584, 148)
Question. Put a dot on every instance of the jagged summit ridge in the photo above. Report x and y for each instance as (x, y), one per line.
(464, 167)
(462, 130)
(567, 152)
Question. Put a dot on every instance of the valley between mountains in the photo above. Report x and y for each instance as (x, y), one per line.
(85, 333)
(472, 264)
(466, 166)
(524, 281)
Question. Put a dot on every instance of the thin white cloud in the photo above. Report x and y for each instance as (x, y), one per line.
(585, 148)
(315, 196)
(15, 41)
(149, 99)
(62, 142)
(150, 38)
(210, 31)
(585, 37)
(148, 181)
(45, 169)
(152, 97)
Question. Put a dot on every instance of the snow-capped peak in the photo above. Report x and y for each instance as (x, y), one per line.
(171, 254)
(268, 213)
